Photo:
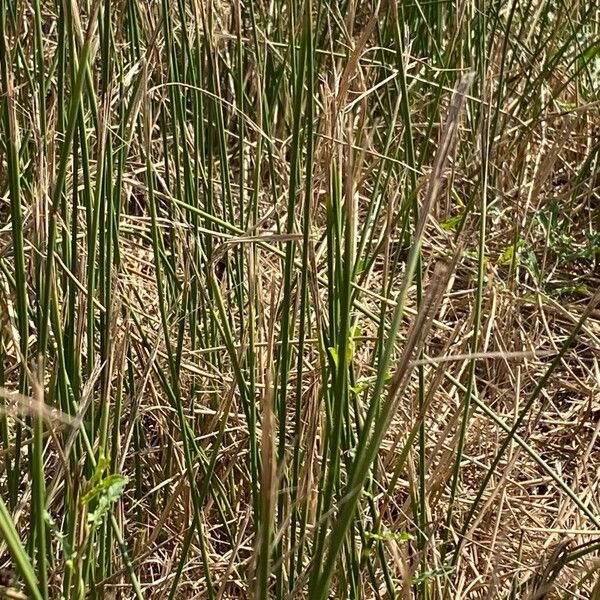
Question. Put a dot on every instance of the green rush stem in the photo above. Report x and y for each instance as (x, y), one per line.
(175, 389)
(412, 163)
(303, 316)
(287, 318)
(14, 175)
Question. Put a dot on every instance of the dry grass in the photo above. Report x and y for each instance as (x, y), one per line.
(212, 288)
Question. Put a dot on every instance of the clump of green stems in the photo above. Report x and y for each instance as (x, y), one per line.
(266, 277)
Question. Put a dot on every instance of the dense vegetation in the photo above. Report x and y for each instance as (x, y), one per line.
(299, 299)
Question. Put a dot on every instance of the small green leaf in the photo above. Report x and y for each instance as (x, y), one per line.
(359, 388)
(351, 347)
(102, 488)
(387, 536)
(101, 466)
(506, 258)
(363, 384)
(452, 223)
(68, 551)
(334, 356)
(576, 288)
(425, 576)
(107, 492)
(507, 255)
